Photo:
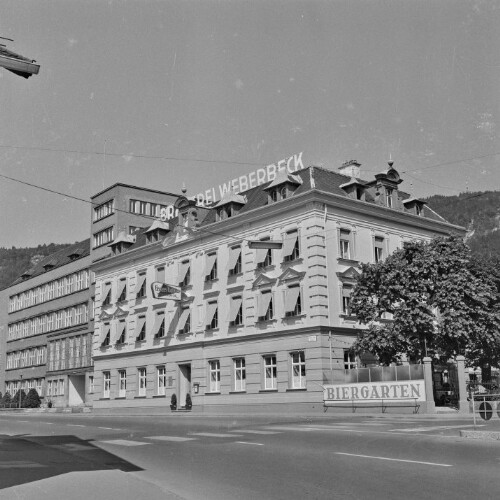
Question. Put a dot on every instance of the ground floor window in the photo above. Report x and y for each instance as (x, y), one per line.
(239, 374)
(142, 381)
(214, 375)
(349, 360)
(298, 370)
(270, 372)
(91, 384)
(122, 383)
(106, 386)
(161, 374)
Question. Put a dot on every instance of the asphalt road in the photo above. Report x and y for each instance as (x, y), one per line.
(197, 457)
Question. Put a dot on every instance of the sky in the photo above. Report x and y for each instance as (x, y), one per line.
(140, 91)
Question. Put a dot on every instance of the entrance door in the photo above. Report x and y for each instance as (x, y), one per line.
(184, 383)
(76, 390)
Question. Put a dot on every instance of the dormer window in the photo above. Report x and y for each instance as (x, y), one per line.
(282, 187)
(389, 192)
(158, 230)
(418, 209)
(229, 205)
(283, 193)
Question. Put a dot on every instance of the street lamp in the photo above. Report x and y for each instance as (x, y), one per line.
(20, 389)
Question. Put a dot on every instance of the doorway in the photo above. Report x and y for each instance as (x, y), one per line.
(184, 383)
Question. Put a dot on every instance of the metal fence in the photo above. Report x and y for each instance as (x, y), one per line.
(383, 374)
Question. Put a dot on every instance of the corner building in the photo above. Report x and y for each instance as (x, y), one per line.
(254, 329)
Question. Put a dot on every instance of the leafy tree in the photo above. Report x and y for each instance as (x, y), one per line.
(443, 302)
(15, 399)
(6, 399)
(32, 399)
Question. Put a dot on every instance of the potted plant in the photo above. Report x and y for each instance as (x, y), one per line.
(173, 402)
(189, 403)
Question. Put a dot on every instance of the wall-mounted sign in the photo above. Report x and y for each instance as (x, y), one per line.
(394, 390)
(165, 292)
(240, 184)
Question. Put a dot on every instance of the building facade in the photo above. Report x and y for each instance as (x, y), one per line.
(250, 327)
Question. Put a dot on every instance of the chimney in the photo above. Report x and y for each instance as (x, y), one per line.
(350, 168)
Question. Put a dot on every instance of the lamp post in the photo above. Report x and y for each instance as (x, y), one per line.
(20, 389)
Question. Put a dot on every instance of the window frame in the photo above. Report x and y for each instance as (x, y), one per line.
(122, 383)
(214, 376)
(273, 367)
(239, 384)
(300, 364)
(106, 384)
(142, 382)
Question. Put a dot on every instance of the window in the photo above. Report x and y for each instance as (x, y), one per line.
(378, 248)
(346, 300)
(349, 360)
(283, 193)
(239, 374)
(78, 315)
(264, 256)
(142, 382)
(60, 287)
(160, 274)
(184, 273)
(418, 209)
(236, 311)
(270, 372)
(107, 335)
(104, 210)
(106, 294)
(122, 383)
(293, 302)
(345, 244)
(159, 327)
(214, 375)
(389, 192)
(122, 332)
(234, 260)
(291, 246)
(185, 320)
(91, 384)
(103, 237)
(161, 377)
(79, 281)
(141, 286)
(265, 311)
(133, 229)
(141, 329)
(122, 290)
(106, 387)
(298, 370)
(212, 316)
(211, 267)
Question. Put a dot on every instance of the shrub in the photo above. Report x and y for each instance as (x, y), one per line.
(15, 399)
(32, 399)
(173, 402)
(189, 403)
(7, 399)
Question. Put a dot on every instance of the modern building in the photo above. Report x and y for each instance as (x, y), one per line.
(47, 313)
(248, 328)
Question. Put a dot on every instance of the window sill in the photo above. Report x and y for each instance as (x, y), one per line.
(268, 390)
(294, 316)
(298, 389)
(237, 392)
(120, 397)
(104, 399)
(139, 397)
(293, 262)
(234, 275)
(349, 317)
(349, 262)
(140, 341)
(264, 269)
(217, 393)
(159, 396)
(103, 218)
(265, 321)
(211, 280)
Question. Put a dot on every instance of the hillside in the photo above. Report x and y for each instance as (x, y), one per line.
(14, 261)
(478, 212)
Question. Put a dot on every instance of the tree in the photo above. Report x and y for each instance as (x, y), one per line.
(443, 303)
(32, 399)
(18, 394)
(6, 399)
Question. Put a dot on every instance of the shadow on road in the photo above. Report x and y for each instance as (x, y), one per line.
(26, 458)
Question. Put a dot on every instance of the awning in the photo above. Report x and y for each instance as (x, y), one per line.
(211, 309)
(121, 286)
(160, 274)
(183, 269)
(159, 320)
(106, 334)
(346, 291)
(140, 282)
(211, 258)
(289, 243)
(183, 319)
(261, 254)
(106, 293)
(141, 320)
(265, 300)
(234, 254)
(292, 294)
(18, 64)
(235, 307)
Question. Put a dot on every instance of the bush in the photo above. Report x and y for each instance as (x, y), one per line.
(189, 403)
(6, 400)
(173, 402)
(15, 399)
(32, 399)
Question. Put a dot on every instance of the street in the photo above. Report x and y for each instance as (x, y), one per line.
(214, 457)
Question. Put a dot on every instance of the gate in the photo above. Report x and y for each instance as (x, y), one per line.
(445, 382)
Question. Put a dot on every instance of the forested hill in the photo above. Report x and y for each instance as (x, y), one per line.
(478, 212)
(14, 261)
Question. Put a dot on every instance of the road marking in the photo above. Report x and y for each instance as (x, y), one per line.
(48, 423)
(393, 459)
(170, 438)
(251, 431)
(124, 442)
(76, 425)
(290, 428)
(246, 442)
(213, 434)
(435, 428)
(109, 428)
(20, 464)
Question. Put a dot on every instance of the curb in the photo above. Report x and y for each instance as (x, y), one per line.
(484, 435)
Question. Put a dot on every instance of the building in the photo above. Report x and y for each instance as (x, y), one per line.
(253, 328)
(47, 313)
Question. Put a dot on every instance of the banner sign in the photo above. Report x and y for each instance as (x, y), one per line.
(393, 390)
(241, 184)
(164, 291)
